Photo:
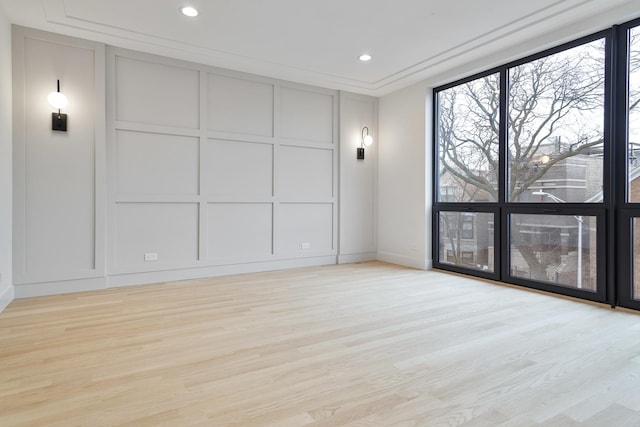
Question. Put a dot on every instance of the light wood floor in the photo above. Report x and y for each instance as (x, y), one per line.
(352, 345)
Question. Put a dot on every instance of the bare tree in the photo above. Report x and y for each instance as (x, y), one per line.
(468, 136)
(634, 66)
(555, 95)
(561, 95)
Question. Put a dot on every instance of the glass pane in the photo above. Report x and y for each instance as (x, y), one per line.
(633, 150)
(468, 118)
(466, 240)
(559, 249)
(556, 127)
(636, 259)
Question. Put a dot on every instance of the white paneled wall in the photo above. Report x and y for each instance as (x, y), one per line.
(358, 179)
(153, 93)
(144, 159)
(237, 230)
(59, 193)
(190, 171)
(308, 115)
(167, 229)
(209, 167)
(237, 169)
(240, 106)
(314, 165)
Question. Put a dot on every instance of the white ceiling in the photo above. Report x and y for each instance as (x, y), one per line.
(318, 42)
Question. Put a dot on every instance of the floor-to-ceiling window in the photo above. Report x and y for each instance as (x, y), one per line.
(468, 137)
(627, 126)
(525, 170)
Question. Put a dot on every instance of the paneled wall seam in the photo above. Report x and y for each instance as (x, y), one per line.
(203, 247)
(275, 177)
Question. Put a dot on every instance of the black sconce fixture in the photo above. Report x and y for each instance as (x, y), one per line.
(366, 140)
(58, 101)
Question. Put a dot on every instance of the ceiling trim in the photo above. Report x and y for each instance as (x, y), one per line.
(487, 39)
(555, 16)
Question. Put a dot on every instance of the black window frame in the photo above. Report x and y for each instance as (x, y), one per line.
(502, 208)
(448, 207)
(621, 237)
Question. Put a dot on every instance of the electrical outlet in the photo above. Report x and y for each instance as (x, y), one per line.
(306, 245)
(151, 256)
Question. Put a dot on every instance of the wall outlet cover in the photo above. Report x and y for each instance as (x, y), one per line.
(151, 256)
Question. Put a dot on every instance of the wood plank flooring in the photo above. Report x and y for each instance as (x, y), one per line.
(367, 344)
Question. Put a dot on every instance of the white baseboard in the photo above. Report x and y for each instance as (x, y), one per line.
(417, 263)
(115, 281)
(62, 287)
(6, 297)
(361, 257)
(29, 290)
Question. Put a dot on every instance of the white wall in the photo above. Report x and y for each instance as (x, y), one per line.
(210, 168)
(404, 186)
(6, 280)
(358, 179)
(58, 239)
(197, 171)
(173, 170)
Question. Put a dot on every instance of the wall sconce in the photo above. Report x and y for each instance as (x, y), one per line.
(58, 101)
(367, 140)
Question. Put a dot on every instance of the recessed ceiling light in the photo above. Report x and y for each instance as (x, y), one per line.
(365, 57)
(189, 11)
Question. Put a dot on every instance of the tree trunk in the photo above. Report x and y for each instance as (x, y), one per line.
(537, 269)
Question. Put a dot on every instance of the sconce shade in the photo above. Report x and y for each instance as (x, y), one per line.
(189, 11)
(366, 140)
(57, 100)
(544, 159)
